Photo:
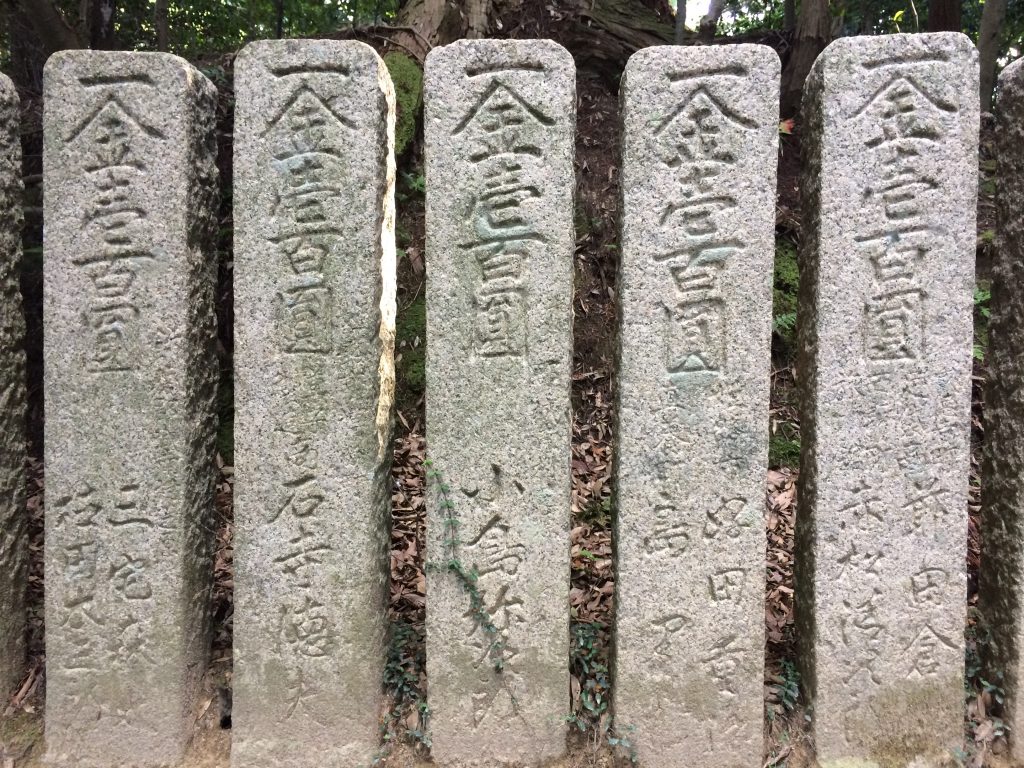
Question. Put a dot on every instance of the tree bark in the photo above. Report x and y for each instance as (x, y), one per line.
(813, 32)
(992, 15)
(680, 21)
(599, 31)
(944, 16)
(102, 14)
(788, 15)
(709, 23)
(160, 21)
(50, 26)
(477, 14)
(424, 24)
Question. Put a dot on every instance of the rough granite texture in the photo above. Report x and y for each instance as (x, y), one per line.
(700, 137)
(1001, 589)
(885, 354)
(130, 374)
(13, 536)
(500, 124)
(314, 381)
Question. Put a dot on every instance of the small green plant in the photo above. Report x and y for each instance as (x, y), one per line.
(410, 349)
(413, 185)
(783, 449)
(993, 689)
(403, 667)
(788, 686)
(784, 293)
(622, 739)
(588, 667)
(597, 512)
(467, 577)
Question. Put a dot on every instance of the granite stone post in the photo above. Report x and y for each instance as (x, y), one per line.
(700, 147)
(314, 384)
(130, 375)
(500, 120)
(887, 272)
(13, 534)
(1001, 588)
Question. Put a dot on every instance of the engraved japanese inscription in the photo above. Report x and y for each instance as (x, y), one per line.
(499, 133)
(698, 182)
(130, 184)
(887, 305)
(314, 297)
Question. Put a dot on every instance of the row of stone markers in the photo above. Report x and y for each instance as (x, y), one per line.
(890, 134)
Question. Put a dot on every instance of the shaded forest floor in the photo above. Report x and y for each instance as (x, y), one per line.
(593, 589)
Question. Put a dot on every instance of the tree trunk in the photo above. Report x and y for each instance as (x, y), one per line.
(680, 21)
(424, 24)
(598, 31)
(49, 25)
(992, 15)
(161, 23)
(709, 23)
(788, 15)
(477, 14)
(279, 19)
(102, 14)
(813, 32)
(944, 16)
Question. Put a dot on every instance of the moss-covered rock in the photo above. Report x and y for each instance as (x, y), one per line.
(408, 79)
(410, 348)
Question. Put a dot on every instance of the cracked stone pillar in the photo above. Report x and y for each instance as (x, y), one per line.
(887, 274)
(314, 382)
(500, 120)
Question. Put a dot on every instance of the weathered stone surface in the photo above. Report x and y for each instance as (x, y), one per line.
(885, 313)
(1001, 589)
(314, 383)
(500, 119)
(130, 192)
(13, 541)
(700, 137)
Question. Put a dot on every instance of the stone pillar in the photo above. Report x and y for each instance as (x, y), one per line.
(1001, 589)
(700, 147)
(13, 535)
(314, 384)
(130, 194)
(887, 272)
(500, 123)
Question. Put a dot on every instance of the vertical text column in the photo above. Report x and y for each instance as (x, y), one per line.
(130, 194)
(891, 139)
(500, 123)
(700, 138)
(314, 381)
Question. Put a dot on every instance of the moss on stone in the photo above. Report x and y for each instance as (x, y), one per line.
(898, 726)
(410, 345)
(408, 80)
